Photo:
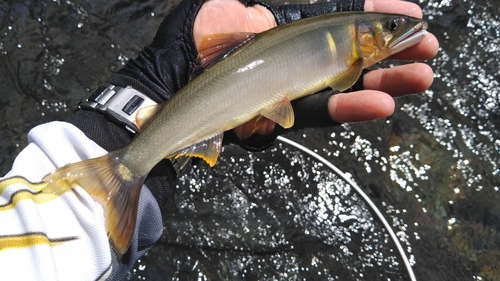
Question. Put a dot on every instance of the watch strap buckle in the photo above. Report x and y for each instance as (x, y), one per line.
(120, 103)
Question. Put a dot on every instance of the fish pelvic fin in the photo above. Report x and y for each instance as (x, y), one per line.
(111, 184)
(281, 113)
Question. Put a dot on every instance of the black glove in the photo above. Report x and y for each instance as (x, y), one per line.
(289, 13)
(165, 66)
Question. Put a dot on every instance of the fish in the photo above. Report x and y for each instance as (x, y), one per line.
(254, 75)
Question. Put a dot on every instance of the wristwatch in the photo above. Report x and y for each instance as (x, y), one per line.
(121, 105)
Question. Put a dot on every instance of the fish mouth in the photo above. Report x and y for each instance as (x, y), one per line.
(410, 37)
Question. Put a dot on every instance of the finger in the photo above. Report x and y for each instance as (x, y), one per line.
(393, 6)
(360, 106)
(400, 80)
(424, 50)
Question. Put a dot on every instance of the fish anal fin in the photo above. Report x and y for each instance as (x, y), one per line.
(347, 78)
(216, 46)
(281, 113)
(207, 150)
(144, 114)
(111, 184)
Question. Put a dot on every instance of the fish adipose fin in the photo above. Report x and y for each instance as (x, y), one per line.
(207, 150)
(144, 114)
(217, 46)
(111, 184)
(281, 113)
(346, 79)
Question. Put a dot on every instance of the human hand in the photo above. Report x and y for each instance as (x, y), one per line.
(380, 86)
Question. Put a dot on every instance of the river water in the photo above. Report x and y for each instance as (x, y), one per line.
(432, 168)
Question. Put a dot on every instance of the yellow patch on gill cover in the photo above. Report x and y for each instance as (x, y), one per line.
(354, 43)
(31, 239)
(34, 193)
(368, 42)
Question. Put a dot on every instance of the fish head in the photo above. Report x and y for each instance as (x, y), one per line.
(381, 35)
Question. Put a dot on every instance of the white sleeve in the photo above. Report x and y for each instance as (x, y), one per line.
(52, 238)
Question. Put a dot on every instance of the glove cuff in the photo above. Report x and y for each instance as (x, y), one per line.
(101, 129)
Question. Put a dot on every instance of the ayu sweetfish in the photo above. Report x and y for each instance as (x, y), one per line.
(258, 78)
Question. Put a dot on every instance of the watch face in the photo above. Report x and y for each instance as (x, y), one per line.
(132, 105)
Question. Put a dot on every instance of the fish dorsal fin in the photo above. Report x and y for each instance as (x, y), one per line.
(207, 150)
(346, 79)
(217, 46)
(144, 114)
(281, 113)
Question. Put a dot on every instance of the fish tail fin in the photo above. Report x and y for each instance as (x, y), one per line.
(111, 184)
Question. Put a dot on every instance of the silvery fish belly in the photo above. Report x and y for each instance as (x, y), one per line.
(259, 77)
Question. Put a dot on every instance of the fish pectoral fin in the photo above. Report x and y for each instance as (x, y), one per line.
(207, 150)
(144, 114)
(111, 184)
(346, 79)
(281, 113)
(216, 46)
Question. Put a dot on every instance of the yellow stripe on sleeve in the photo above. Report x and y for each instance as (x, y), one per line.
(31, 239)
(37, 192)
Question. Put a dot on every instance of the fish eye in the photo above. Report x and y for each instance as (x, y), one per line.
(392, 24)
